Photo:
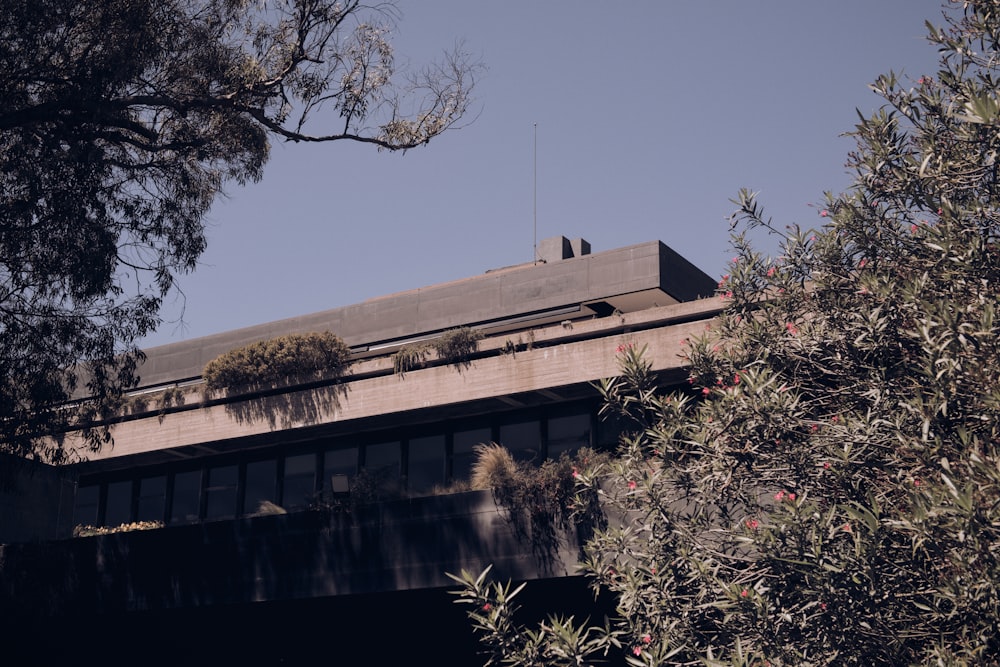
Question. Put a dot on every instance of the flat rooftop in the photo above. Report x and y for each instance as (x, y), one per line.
(568, 284)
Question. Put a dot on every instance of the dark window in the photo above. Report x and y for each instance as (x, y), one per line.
(425, 463)
(152, 498)
(220, 492)
(523, 439)
(88, 499)
(261, 485)
(118, 509)
(383, 459)
(382, 463)
(300, 481)
(568, 433)
(609, 431)
(187, 497)
(463, 451)
(339, 467)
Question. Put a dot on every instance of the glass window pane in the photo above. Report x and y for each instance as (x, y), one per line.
(85, 508)
(119, 505)
(425, 468)
(609, 431)
(261, 485)
(187, 497)
(382, 464)
(523, 439)
(463, 451)
(220, 492)
(152, 498)
(568, 433)
(299, 482)
(339, 467)
(383, 459)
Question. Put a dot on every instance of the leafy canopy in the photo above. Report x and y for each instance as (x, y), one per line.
(827, 491)
(120, 122)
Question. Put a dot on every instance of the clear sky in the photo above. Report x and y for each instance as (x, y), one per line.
(651, 115)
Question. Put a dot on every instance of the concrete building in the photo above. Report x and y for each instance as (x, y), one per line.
(222, 581)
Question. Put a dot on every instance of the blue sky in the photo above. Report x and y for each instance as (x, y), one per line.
(651, 115)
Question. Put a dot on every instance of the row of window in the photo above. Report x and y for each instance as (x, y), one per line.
(229, 487)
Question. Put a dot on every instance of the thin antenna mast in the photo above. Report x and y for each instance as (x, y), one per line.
(534, 203)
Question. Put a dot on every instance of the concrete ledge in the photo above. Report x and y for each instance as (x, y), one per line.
(403, 545)
(554, 365)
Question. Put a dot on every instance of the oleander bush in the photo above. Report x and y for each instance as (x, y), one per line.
(827, 489)
(279, 359)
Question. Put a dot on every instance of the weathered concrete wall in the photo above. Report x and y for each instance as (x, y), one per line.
(587, 354)
(36, 501)
(397, 546)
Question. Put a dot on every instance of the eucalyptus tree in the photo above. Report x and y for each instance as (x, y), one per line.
(120, 123)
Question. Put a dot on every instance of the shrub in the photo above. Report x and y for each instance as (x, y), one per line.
(409, 357)
(540, 499)
(278, 359)
(90, 531)
(457, 345)
(493, 467)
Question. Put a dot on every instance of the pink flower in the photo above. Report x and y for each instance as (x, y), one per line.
(913, 229)
(824, 213)
(814, 428)
(770, 272)
(862, 263)
(706, 391)
(791, 496)
(921, 81)
(631, 485)
(575, 473)
(752, 524)
(835, 419)
(636, 651)
(846, 528)
(646, 639)
(916, 482)
(744, 593)
(736, 379)
(822, 605)
(487, 606)
(791, 328)
(779, 496)
(940, 211)
(826, 465)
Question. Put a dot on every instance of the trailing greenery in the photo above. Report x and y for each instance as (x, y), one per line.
(409, 357)
(277, 360)
(457, 345)
(827, 491)
(541, 498)
(452, 347)
(90, 531)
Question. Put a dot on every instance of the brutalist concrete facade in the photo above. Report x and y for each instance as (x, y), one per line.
(551, 329)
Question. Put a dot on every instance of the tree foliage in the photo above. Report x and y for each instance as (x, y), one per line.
(827, 492)
(120, 122)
